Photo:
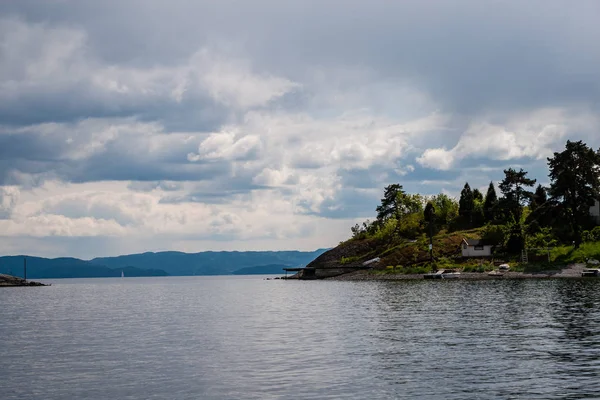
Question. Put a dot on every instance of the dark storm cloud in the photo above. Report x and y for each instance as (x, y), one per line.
(469, 55)
(59, 151)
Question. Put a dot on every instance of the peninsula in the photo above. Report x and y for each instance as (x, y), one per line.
(552, 231)
(11, 281)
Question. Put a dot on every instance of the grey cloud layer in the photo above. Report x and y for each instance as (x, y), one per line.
(469, 55)
(317, 102)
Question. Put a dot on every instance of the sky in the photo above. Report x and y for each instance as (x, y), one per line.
(130, 126)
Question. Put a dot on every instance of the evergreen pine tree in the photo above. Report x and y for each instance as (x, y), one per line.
(491, 201)
(466, 203)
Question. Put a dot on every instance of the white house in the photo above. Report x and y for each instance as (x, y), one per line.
(595, 211)
(476, 248)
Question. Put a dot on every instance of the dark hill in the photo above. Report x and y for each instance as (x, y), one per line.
(209, 262)
(155, 264)
(46, 268)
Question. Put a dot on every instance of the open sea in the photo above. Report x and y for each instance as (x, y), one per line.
(233, 337)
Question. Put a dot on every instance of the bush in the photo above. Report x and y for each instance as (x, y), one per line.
(348, 260)
(365, 230)
(542, 239)
(411, 225)
(474, 268)
(592, 236)
(386, 231)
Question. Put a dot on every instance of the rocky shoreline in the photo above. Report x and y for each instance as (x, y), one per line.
(571, 271)
(13, 281)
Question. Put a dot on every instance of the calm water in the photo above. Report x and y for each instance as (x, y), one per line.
(248, 338)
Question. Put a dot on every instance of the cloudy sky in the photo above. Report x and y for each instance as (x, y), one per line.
(146, 125)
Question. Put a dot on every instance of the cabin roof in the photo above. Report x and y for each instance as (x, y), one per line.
(478, 242)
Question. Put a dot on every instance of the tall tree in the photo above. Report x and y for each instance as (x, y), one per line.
(477, 195)
(478, 215)
(491, 201)
(513, 187)
(389, 203)
(575, 183)
(466, 202)
(429, 212)
(429, 215)
(538, 199)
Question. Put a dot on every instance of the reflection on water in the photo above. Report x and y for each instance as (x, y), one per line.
(237, 337)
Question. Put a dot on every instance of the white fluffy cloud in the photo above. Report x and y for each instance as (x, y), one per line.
(534, 136)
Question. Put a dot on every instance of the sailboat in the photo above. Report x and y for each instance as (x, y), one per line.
(122, 274)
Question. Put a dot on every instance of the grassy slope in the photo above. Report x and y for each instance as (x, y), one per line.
(393, 253)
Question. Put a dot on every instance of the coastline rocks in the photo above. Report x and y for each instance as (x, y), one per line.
(570, 271)
(11, 281)
(355, 252)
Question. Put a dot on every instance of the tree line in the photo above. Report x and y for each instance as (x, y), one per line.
(522, 215)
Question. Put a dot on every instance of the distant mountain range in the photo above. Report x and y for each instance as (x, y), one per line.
(160, 264)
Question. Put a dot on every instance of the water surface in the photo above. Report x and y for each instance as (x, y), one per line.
(250, 338)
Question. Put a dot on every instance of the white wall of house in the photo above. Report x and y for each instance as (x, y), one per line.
(476, 251)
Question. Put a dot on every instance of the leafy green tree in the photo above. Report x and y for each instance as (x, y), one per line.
(477, 195)
(575, 184)
(515, 194)
(409, 209)
(491, 201)
(446, 209)
(466, 203)
(409, 203)
(411, 226)
(389, 203)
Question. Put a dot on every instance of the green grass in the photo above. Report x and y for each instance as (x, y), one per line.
(348, 260)
(533, 268)
(569, 255)
(486, 267)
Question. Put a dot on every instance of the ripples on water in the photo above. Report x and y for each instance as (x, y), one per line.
(247, 338)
